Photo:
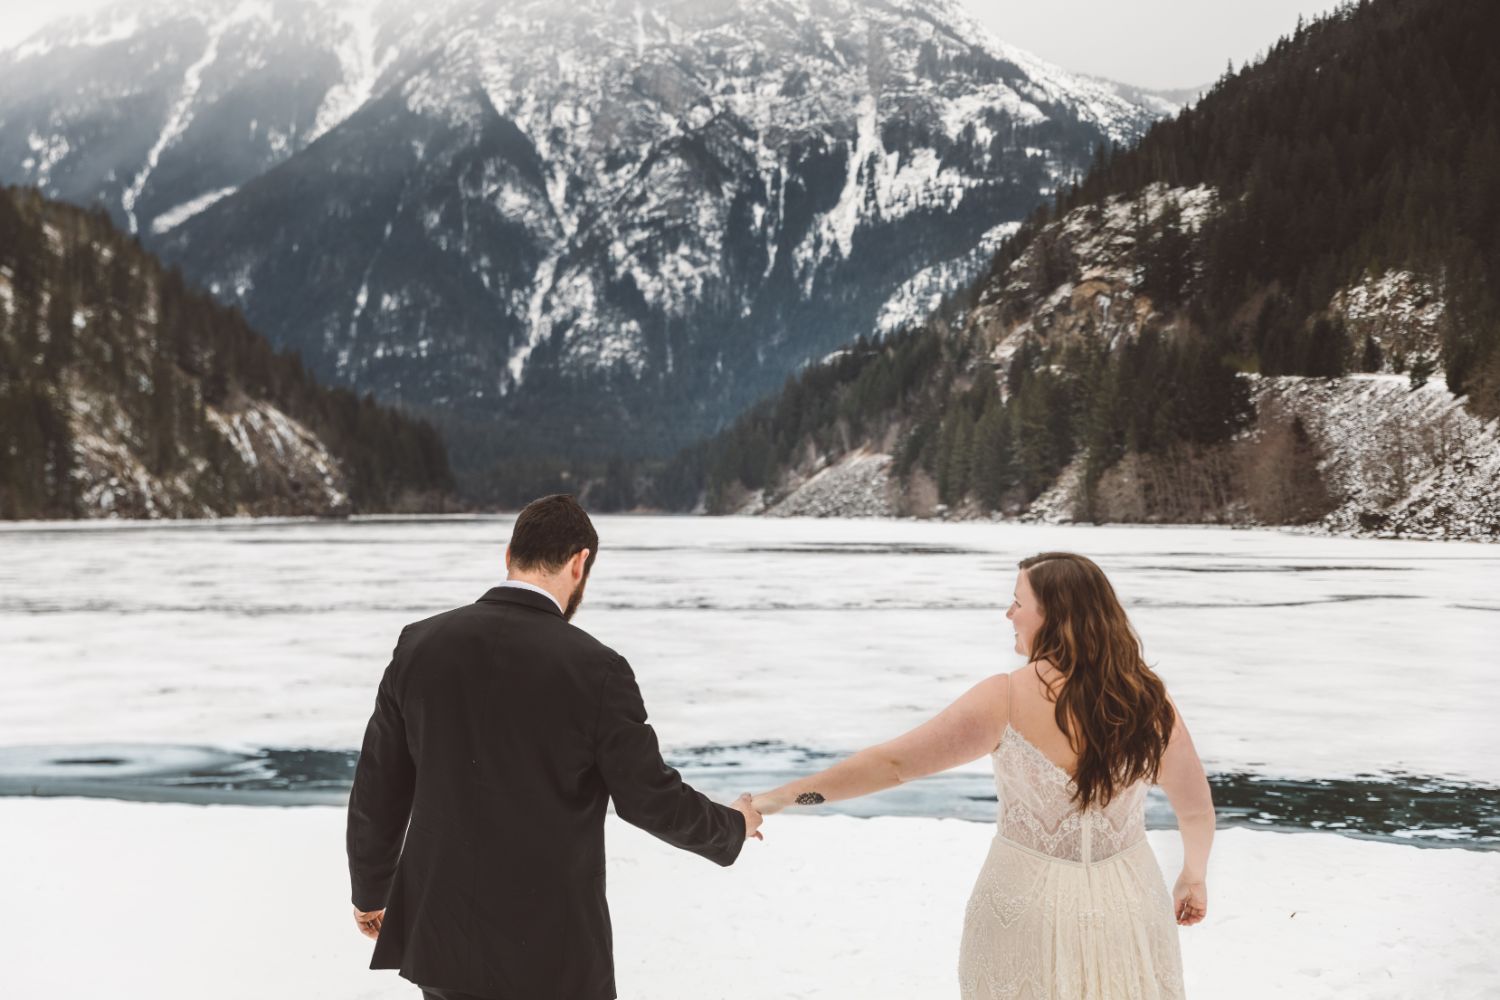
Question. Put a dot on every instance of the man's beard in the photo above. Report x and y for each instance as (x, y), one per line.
(575, 599)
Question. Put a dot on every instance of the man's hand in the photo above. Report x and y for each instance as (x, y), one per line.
(752, 818)
(369, 922)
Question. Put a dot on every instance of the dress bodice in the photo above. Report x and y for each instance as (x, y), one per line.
(1036, 809)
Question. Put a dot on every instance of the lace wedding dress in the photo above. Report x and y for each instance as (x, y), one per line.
(1069, 905)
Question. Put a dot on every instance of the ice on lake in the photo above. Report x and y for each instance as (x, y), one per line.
(1290, 655)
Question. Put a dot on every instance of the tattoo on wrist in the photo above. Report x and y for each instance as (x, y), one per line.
(810, 799)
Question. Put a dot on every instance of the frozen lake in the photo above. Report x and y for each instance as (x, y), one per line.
(1315, 673)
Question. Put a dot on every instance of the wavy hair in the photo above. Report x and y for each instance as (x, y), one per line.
(1110, 704)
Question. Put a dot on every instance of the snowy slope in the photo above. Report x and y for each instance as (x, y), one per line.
(1402, 461)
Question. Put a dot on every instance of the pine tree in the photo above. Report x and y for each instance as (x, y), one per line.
(994, 471)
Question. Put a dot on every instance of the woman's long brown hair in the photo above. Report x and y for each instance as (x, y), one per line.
(1109, 700)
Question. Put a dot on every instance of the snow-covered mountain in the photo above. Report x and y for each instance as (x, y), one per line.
(626, 219)
(125, 394)
(155, 110)
(1383, 451)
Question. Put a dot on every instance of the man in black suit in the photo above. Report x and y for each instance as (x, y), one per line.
(499, 732)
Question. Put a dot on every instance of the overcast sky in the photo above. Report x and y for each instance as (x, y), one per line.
(1161, 44)
(1150, 43)
(19, 18)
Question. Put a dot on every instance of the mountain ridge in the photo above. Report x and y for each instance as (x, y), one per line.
(125, 394)
(628, 219)
(1150, 347)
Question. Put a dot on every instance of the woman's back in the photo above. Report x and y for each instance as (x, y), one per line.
(1032, 713)
(1034, 785)
(1070, 903)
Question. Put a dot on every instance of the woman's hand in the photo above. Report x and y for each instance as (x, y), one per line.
(767, 803)
(1189, 900)
(752, 816)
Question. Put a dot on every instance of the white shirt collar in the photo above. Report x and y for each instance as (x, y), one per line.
(531, 586)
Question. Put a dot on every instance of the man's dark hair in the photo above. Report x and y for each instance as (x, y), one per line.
(550, 531)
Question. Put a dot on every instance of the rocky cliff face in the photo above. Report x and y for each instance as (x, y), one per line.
(623, 221)
(1389, 452)
(289, 471)
(1082, 277)
(240, 456)
(125, 394)
(1394, 317)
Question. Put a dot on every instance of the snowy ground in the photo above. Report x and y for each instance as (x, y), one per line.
(763, 641)
(130, 900)
(1290, 655)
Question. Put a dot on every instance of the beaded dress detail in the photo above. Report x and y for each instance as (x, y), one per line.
(1069, 904)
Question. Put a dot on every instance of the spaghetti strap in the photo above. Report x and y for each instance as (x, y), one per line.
(1006, 720)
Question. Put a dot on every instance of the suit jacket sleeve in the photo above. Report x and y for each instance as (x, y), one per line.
(380, 801)
(647, 792)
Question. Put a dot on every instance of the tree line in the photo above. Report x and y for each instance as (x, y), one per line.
(1365, 141)
(87, 314)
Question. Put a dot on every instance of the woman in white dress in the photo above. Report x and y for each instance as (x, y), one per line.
(1070, 903)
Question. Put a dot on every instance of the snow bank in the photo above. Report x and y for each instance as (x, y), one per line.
(169, 901)
(857, 485)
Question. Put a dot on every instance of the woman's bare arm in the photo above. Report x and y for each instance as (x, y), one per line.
(966, 730)
(1181, 777)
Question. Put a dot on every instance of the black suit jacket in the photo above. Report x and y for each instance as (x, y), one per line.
(499, 733)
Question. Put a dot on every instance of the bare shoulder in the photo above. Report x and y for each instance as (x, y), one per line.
(993, 687)
(989, 698)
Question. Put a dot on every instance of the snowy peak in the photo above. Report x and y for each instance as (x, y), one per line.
(682, 200)
(169, 107)
(199, 98)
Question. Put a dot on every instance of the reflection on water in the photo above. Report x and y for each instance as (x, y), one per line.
(1407, 809)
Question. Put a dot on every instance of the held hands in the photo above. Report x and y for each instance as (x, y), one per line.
(756, 808)
(1189, 900)
(752, 816)
(767, 803)
(369, 921)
